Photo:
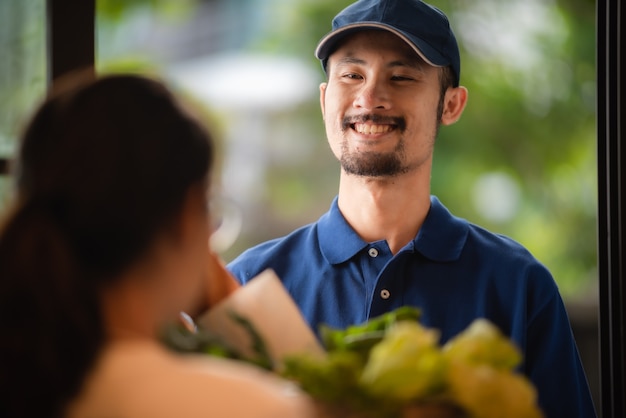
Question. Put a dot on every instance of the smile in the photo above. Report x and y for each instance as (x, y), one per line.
(369, 129)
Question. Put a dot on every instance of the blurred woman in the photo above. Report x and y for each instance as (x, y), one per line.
(106, 241)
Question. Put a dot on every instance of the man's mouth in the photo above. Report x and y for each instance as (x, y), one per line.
(373, 124)
(369, 129)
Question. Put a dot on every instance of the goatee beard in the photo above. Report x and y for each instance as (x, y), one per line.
(373, 164)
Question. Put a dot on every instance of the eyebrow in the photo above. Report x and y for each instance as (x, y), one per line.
(416, 62)
(350, 60)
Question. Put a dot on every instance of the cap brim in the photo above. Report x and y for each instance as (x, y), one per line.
(329, 42)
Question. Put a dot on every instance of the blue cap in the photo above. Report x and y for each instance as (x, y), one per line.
(424, 27)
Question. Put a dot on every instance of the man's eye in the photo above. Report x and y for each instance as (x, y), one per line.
(401, 78)
(352, 76)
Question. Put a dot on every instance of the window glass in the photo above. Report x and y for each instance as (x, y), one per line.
(22, 70)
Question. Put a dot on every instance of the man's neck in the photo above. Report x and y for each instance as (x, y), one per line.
(392, 209)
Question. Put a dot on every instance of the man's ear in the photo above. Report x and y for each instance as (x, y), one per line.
(323, 87)
(453, 104)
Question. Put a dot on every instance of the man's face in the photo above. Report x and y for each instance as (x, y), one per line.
(380, 106)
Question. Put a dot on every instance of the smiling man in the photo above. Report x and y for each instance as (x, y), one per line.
(393, 73)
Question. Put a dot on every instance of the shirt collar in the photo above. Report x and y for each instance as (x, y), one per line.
(338, 241)
(441, 237)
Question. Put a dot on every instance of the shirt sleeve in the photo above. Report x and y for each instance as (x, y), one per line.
(551, 358)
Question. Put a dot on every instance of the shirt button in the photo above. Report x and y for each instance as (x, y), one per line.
(385, 294)
(373, 252)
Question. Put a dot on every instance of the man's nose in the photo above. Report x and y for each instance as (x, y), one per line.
(373, 94)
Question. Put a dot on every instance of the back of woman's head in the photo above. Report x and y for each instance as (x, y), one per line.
(103, 169)
(113, 160)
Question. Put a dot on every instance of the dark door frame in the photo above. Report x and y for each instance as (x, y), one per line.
(611, 41)
(71, 36)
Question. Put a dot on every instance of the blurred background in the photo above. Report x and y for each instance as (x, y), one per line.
(521, 161)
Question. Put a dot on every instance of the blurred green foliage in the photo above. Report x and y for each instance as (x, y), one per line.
(117, 9)
(521, 161)
(530, 125)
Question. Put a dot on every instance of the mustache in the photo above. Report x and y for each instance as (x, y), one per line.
(398, 121)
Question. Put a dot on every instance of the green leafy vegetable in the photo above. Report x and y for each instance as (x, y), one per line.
(392, 363)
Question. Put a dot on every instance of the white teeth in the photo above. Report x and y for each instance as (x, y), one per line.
(367, 129)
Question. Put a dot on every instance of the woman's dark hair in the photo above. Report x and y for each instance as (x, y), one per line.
(103, 168)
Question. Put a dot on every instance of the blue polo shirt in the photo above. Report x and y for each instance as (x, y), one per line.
(453, 271)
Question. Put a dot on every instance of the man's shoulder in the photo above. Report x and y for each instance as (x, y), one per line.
(301, 236)
(444, 232)
(505, 254)
(275, 252)
(488, 240)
